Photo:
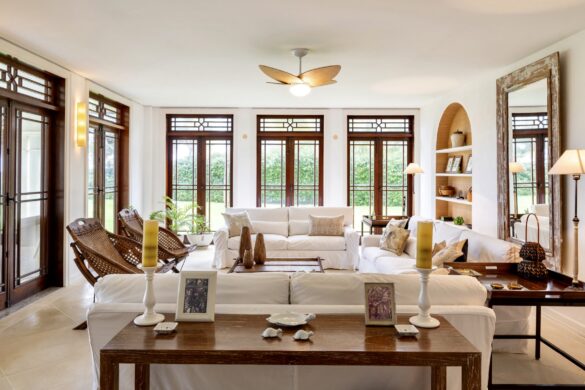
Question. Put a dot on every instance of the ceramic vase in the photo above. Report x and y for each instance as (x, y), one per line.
(259, 249)
(248, 260)
(457, 139)
(245, 241)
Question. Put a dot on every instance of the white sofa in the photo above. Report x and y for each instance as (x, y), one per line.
(286, 235)
(481, 248)
(459, 299)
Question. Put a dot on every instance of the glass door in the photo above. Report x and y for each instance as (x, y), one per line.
(26, 204)
(3, 257)
(102, 175)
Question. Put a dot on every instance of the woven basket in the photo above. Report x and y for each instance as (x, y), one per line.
(532, 254)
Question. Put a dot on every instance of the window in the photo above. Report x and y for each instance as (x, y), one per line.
(379, 149)
(530, 135)
(289, 160)
(199, 165)
(107, 160)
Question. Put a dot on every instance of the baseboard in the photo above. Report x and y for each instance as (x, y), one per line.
(569, 322)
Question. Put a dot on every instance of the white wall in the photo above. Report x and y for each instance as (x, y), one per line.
(335, 151)
(76, 90)
(479, 99)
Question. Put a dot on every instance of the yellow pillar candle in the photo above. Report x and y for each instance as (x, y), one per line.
(150, 243)
(424, 244)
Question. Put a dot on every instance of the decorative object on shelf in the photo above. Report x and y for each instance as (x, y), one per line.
(470, 195)
(196, 298)
(248, 259)
(446, 191)
(245, 241)
(572, 162)
(456, 167)
(457, 139)
(460, 195)
(302, 335)
(459, 221)
(469, 166)
(423, 319)
(515, 168)
(449, 165)
(272, 333)
(380, 304)
(149, 265)
(301, 84)
(259, 249)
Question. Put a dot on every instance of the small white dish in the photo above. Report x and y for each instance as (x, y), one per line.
(289, 319)
(165, 327)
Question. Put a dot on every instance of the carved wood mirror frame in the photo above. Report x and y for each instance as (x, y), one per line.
(546, 68)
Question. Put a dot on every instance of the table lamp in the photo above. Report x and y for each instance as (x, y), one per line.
(515, 168)
(411, 169)
(572, 163)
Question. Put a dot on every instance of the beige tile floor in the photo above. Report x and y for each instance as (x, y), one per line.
(39, 349)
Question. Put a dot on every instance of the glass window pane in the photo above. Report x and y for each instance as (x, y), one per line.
(361, 178)
(394, 181)
(273, 173)
(218, 181)
(306, 173)
(110, 211)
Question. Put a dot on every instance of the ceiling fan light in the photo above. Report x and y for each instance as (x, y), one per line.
(300, 89)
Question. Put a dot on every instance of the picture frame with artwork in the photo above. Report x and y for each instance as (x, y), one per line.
(196, 297)
(469, 166)
(380, 304)
(456, 167)
(449, 165)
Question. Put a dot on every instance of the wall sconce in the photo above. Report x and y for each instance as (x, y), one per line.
(245, 136)
(335, 136)
(81, 125)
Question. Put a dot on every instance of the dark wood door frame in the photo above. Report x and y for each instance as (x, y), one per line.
(289, 138)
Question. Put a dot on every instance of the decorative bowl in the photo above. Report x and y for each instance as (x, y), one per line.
(446, 191)
(289, 319)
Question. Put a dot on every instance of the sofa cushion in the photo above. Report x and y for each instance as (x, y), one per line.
(394, 239)
(316, 243)
(373, 253)
(273, 242)
(270, 227)
(298, 228)
(348, 289)
(325, 226)
(489, 249)
(279, 214)
(447, 232)
(236, 221)
(302, 213)
(256, 288)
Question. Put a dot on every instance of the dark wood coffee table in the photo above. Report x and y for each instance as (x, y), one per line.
(550, 292)
(313, 264)
(338, 340)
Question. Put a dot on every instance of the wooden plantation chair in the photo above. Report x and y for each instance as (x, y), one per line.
(171, 249)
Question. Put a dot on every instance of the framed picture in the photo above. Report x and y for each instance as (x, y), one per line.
(380, 304)
(456, 167)
(196, 297)
(449, 165)
(469, 167)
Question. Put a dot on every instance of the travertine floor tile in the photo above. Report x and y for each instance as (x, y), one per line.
(4, 384)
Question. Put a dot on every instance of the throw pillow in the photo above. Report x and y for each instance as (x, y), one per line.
(394, 239)
(401, 223)
(462, 246)
(446, 255)
(326, 226)
(235, 222)
(439, 246)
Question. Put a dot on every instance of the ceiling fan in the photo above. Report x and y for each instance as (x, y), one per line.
(301, 84)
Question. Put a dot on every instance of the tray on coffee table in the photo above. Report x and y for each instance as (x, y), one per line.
(311, 264)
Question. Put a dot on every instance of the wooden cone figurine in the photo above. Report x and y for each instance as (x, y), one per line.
(248, 259)
(259, 249)
(245, 241)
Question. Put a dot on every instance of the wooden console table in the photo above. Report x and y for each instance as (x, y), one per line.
(313, 264)
(550, 292)
(338, 340)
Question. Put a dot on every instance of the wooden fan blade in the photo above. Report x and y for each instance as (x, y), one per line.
(279, 75)
(324, 83)
(318, 76)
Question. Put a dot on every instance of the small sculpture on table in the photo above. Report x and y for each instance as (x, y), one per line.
(246, 245)
(259, 249)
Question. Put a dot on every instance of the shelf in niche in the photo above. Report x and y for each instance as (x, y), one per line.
(454, 200)
(465, 148)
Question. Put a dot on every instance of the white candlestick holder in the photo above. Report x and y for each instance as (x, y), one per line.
(149, 317)
(423, 319)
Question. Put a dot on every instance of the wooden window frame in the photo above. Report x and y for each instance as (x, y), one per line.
(379, 138)
(201, 137)
(289, 137)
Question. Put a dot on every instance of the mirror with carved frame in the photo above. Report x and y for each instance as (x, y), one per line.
(529, 140)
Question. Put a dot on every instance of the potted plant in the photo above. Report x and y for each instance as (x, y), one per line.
(184, 221)
(459, 221)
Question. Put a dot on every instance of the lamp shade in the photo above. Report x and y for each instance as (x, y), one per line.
(300, 89)
(571, 162)
(412, 169)
(516, 167)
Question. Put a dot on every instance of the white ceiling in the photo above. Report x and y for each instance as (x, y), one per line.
(394, 53)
